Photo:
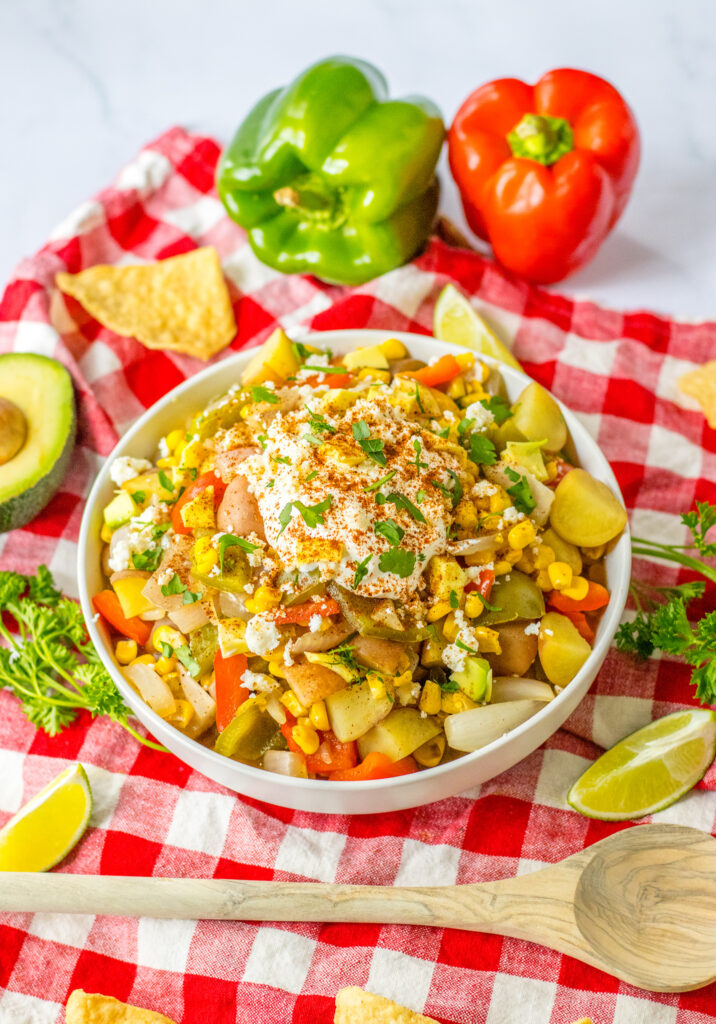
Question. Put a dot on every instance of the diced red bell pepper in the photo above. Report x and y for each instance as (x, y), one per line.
(200, 484)
(331, 380)
(483, 585)
(287, 731)
(579, 621)
(301, 614)
(332, 755)
(443, 371)
(230, 694)
(563, 467)
(597, 597)
(107, 604)
(375, 766)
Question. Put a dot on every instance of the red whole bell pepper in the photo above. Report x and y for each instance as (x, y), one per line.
(544, 171)
(230, 694)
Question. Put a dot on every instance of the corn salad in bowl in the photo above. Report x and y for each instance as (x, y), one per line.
(356, 567)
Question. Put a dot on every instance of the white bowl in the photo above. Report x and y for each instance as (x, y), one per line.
(310, 794)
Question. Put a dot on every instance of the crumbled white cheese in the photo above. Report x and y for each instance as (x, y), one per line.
(163, 448)
(482, 417)
(262, 634)
(315, 623)
(454, 657)
(125, 468)
(532, 629)
(512, 515)
(287, 658)
(121, 553)
(483, 489)
(254, 681)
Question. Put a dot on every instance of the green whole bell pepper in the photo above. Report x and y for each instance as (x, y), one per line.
(331, 178)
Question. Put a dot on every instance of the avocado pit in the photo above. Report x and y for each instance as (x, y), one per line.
(13, 430)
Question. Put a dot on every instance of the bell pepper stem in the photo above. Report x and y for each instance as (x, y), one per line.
(541, 138)
(310, 196)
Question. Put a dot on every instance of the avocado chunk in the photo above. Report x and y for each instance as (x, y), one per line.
(474, 679)
(41, 388)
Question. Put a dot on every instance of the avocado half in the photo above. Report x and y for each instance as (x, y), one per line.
(41, 389)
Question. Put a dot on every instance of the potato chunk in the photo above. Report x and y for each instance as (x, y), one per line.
(585, 512)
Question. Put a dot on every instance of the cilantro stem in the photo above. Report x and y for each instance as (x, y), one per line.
(652, 549)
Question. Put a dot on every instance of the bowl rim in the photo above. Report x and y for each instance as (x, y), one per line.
(607, 626)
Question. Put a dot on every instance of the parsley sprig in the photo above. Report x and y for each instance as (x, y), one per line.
(372, 446)
(49, 663)
(661, 621)
(312, 514)
(520, 492)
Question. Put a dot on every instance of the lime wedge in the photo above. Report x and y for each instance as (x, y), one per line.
(456, 322)
(648, 770)
(48, 826)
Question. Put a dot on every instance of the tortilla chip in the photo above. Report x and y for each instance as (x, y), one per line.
(181, 303)
(92, 1008)
(701, 385)
(354, 1006)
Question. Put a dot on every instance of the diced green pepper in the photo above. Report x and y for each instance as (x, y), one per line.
(234, 576)
(249, 735)
(203, 644)
(357, 613)
(514, 596)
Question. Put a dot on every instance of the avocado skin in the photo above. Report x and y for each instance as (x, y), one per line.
(21, 508)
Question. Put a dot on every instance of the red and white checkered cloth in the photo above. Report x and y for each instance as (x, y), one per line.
(154, 815)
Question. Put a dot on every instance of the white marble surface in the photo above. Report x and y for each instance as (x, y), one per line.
(84, 83)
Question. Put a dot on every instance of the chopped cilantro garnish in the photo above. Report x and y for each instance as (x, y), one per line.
(262, 440)
(420, 496)
(465, 425)
(449, 686)
(400, 501)
(443, 432)
(418, 449)
(520, 492)
(147, 561)
(283, 459)
(190, 597)
(301, 351)
(379, 483)
(397, 561)
(139, 497)
(454, 600)
(361, 572)
(174, 586)
(373, 447)
(482, 450)
(346, 655)
(228, 541)
(312, 514)
(319, 423)
(419, 400)
(311, 475)
(270, 484)
(188, 661)
(165, 482)
(167, 650)
(312, 439)
(498, 407)
(454, 493)
(326, 369)
(261, 394)
(464, 647)
(389, 529)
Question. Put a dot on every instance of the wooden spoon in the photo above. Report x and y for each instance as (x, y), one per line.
(640, 904)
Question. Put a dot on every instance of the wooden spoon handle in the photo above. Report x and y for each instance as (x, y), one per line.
(227, 899)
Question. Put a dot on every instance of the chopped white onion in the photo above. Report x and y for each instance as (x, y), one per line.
(201, 700)
(473, 545)
(189, 617)
(152, 688)
(473, 729)
(232, 605)
(508, 688)
(276, 709)
(285, 762)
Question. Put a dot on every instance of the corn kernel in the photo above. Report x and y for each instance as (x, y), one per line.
(526, 562)
(106, 533)
(456, 388)
(480, 557)
(125, 651)
(473, 605)
(551, 469)
(143, 659)
(466, 513)
(430, 698)
(173, 682)
(276, 669)
(376, 684)
(488, 640)
(513, 557)
(543, 581)
(167, 462)
(544, 557)
(305, 736)
(592, 554)
(251, 605)
(393, 349)
(521, 534)
(182, 714)
(454, 703)
(293, 704)
(430, 753)
(175, 438)
(578, 589)
(560, 574)
(167, 635)
(500, 500)
(374, 373)
(502, 567)
(265, 598)
(432, 652)
(318, 716)
(450, 628)
(438, 611)
(165, 665)
(466, 360)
